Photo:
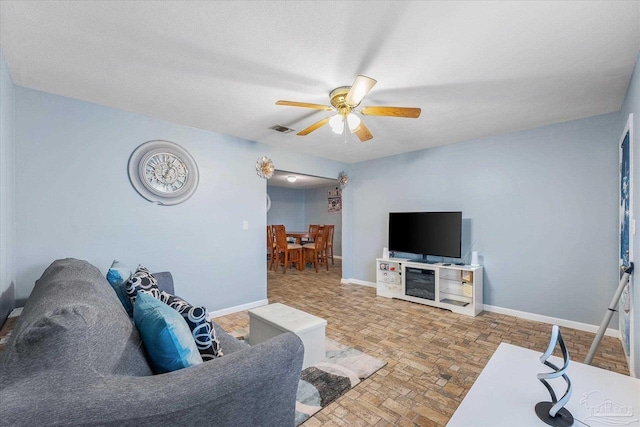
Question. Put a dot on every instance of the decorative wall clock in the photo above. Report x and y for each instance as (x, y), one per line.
(163, 172)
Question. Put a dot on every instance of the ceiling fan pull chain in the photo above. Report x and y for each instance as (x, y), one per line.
(344, 120)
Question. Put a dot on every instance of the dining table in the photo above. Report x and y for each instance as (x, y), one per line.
(298, 235)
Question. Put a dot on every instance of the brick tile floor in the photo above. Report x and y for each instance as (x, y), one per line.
(433, 356)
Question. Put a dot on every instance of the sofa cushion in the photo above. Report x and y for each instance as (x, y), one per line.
(141, 280)
(73, 321)
(165, 335)
(165, 281)
(204, 335)
(118, 275)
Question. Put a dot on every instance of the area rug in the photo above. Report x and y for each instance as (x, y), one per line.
(324, 382)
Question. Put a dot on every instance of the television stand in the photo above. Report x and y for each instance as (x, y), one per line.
(423, 261)
(453, 287)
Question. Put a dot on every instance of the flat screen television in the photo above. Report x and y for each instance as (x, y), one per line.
(426, 233)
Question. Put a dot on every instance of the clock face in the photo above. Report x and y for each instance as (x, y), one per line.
(163, 172)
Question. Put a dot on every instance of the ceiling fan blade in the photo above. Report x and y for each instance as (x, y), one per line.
(304, 105)
(409, 113)
(314, 126)
(361, 86)
(363, 133)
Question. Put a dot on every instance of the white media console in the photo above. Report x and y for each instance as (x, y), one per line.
(454, 287)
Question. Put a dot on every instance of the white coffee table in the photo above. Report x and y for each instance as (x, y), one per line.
(507, 391)
(271, 320)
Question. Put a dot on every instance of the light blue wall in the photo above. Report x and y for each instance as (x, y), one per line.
(632, 106)
(541, 205)
(74, 199)
(7, 191)
(316, 213)
(287, 208)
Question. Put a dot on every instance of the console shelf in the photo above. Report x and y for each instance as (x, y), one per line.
(453, 287)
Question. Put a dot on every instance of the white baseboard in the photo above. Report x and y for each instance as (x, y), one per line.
(551, 320)
(357, 282)
(238, 308)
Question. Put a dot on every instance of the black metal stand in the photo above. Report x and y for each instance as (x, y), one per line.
(563, 417)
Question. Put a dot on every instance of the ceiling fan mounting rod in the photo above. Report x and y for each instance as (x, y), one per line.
(338, 100)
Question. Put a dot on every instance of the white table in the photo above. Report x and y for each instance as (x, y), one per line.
(507, 391)
(271, 320)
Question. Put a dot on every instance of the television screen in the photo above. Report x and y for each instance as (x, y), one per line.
(426, 233)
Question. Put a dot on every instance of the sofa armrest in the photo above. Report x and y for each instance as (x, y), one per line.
(255, 386)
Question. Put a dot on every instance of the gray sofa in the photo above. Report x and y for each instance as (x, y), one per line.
(75, 358)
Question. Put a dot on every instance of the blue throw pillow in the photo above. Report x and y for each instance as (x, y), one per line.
(197, 318)
(165, 335)
(117, 276)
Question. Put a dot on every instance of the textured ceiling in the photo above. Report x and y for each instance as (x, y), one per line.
(475, 68)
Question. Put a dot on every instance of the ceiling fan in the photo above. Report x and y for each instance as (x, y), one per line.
(344, 100)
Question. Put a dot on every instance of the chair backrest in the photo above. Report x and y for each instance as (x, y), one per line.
(313, 230)
(329, 234)
(320, 238)
(281, 237)
(270, 239)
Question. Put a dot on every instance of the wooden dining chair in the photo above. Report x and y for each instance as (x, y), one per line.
(290, 252)
(271, 246)
(329, 229)
(315, 252)
(313, 230)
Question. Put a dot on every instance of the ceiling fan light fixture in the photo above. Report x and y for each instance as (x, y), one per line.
(353, 121)
(292, 178)
(336, 124)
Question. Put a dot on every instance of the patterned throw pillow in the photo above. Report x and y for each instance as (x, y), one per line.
(142, 280)
(165, 335)
(203, 331)
(117, 276)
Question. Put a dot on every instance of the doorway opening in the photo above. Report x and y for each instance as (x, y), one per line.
(298, 200)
